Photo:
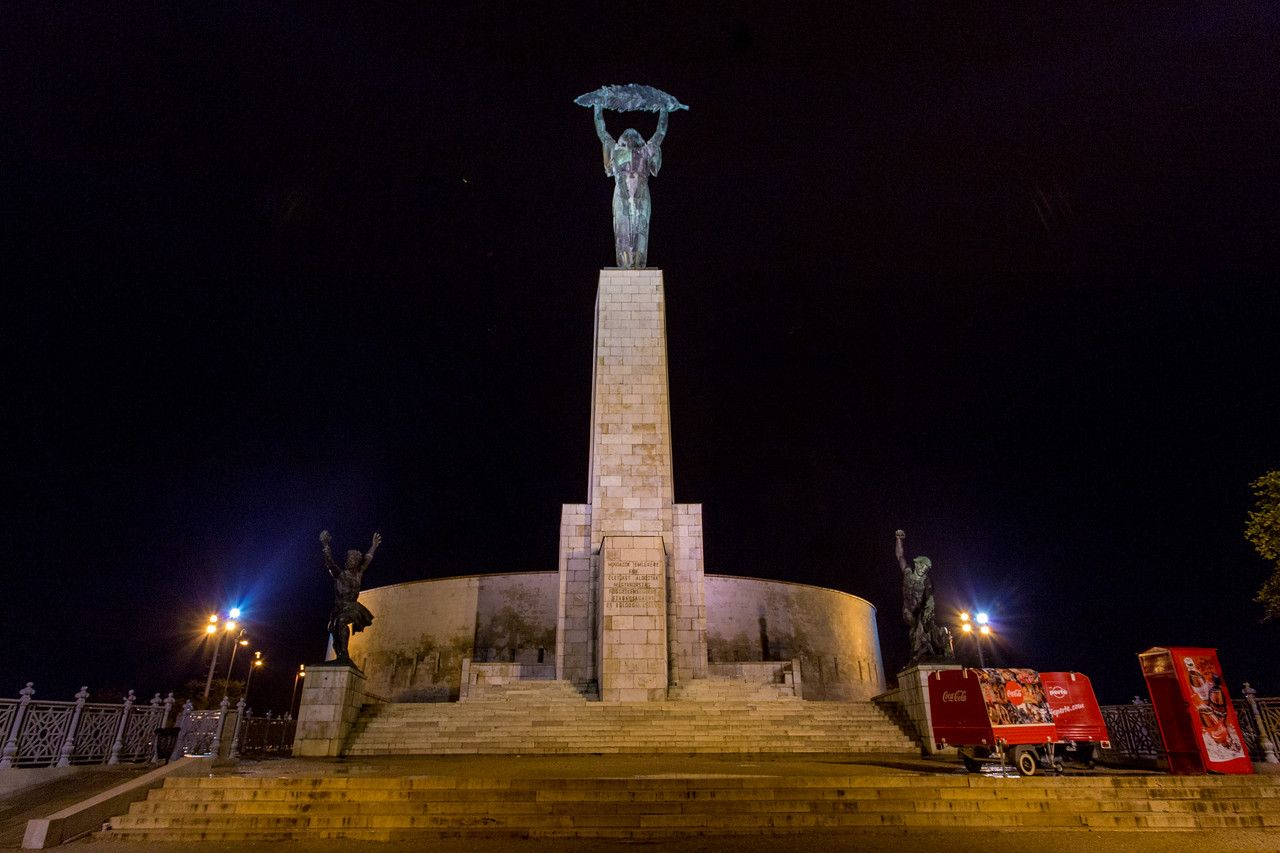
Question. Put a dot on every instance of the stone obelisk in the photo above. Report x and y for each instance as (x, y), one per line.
(632, 615)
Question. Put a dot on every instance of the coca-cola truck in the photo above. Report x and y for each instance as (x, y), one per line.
(994, 715)
(1081, 729)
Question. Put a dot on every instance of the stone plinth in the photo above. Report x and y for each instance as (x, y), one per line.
(630, 497)
(913, 691)
(633, 609)
(332, 695)
(630, 487)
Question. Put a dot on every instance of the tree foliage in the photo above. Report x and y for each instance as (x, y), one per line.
(1263, 532)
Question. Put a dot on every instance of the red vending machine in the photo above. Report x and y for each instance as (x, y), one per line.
(1197, 721)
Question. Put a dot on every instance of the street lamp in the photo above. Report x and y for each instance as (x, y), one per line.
(211, 632)
(297, 676)
(983, 631)
(231, 667)
(253, 667)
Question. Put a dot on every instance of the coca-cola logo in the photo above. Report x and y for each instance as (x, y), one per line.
(1013, 692)
(954, 696)
(1057, 691)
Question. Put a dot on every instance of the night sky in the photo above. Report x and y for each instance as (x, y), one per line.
(1004, 279)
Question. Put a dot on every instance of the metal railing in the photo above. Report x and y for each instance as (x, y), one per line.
(60, 734)
(1135, 735)
(263, 737)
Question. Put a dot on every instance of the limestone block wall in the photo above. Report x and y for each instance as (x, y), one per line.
(686, 604)
(575, 622)
(423, 630)
(832, 633)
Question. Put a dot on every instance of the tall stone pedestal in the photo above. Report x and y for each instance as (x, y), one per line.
(332, 695)
(632, 615)
(913, 691)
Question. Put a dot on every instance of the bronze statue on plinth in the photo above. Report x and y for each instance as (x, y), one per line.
(929, 641)
(347, 610)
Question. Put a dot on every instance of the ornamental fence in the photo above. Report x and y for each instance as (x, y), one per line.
(61, 734)
(1135, 735)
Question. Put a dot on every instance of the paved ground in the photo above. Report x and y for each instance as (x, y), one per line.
(627, 766)
(40, 802)
(1236, 841)
(16, 809)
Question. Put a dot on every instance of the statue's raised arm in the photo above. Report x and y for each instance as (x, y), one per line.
(661, 132)
(607, 142)
(326, 548)
(368, 557)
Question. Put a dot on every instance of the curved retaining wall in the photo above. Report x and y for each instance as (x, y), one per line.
(831, 632)
(423, 629)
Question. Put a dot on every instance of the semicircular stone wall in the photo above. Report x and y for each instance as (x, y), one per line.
(422, 630)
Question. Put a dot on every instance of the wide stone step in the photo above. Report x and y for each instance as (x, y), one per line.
(231, 808)
(523, 721)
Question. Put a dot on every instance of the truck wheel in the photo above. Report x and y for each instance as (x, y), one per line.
(1025, 760)
(971, 764)
(1085, 752)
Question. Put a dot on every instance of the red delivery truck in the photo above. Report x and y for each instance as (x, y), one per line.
(1076, 715)
(993, 715)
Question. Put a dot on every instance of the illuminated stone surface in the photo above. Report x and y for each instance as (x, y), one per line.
(629, 614)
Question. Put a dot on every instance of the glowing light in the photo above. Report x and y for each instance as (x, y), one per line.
(985, 630)
(964, 617)
(982, 618)
(230, 626)
(967, 628)
(257, 663)
(235, 613)
(211, 629)
(213, 617)
(244, 642)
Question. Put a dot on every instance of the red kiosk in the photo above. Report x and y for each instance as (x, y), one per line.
(1193, 709)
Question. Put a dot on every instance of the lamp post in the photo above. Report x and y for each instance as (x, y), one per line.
(254, 665)
(211, 632)
(297, 676)
(231, 666)
(983, 631)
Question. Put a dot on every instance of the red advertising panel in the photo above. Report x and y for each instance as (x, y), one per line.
(1074, 707)
(977, 706)
(957, 711)
(1193, 709)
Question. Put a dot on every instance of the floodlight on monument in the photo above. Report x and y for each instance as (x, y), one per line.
(213, 617)
(234, 613)
(964, 619)
(211, 629)
(985, 630)
(966, 627)
(229, 625)
(982, 619)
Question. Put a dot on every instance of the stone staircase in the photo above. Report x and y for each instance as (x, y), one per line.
(552, 718)
(391, 807)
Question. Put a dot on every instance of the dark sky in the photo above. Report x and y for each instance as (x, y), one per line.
(1003, 279)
